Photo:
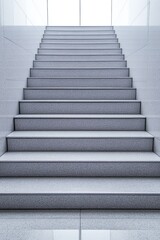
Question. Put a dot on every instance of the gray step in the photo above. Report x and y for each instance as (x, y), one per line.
(80, 32)
(79, 57)
(79, 46)
(79, 51)
(80, 193)
(81, 41)
(98, 36)
(95, 64)
(79, 28)
(80, 141)
(79, 164)
(81, 122)
(79, 72)
(79, 82)
(80, 107)
(89, 93)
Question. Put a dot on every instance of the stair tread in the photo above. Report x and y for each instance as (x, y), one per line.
(78, 54)
(79, 88)
(80, 157)
(80, 43)
(41, 61)
(80, 78)
(79, 116)
(73, 48)
(81, 101)
(75, 185)
(78, 68)
(79, 134)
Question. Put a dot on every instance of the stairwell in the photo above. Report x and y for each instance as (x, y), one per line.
(80, 141)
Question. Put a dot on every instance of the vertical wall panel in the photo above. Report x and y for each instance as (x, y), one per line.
(18, 45)
(140, 41)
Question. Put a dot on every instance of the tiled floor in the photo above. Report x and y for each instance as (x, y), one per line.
(80, 225)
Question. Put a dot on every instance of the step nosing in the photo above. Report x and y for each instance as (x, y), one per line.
(90, 78)
(79, 49)
(81, 88)
(83, 193)
(71, 117)
(83, 101)
(76, 54)
(80, 68)
(97, 43)
(50, 61)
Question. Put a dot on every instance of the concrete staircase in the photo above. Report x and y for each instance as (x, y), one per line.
(80, 140)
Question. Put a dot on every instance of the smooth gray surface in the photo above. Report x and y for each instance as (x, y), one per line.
(95, 222)
(80, 164)
(79, 28)
(80, 185)
(85, 134)
(79, 141)
(80, 72)
(62, 37)
(79, 93)
(80, 41)
(80, 64)
(79, 122)
(80, 32)
(80, 107)
(79, 57)
(79, 82)
(79, 46)
(73, 193)
(78, 51)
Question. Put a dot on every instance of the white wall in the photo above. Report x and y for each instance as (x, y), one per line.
(19, 40)
(140, 41)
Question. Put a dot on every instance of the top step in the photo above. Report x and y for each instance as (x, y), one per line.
(80, 36)
(79, 28)
(79, 32)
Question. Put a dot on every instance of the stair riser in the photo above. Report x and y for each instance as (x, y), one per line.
(50, 94)
(80, 64)
(79, 82)
(101, 37)
(80, 201)
(74, 28)
(79, 46)
(81, 33)
(101, 73)
(78, 169)
(80, 144)
(81, 124)
(77, 41)
(80, 108)
(79, 51)
(79, 57)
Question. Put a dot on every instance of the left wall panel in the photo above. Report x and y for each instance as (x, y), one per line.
(22, 24)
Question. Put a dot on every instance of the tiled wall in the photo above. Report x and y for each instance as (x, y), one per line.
(140, 40)
(19, 39)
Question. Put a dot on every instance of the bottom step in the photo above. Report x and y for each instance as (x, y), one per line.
(79, 193)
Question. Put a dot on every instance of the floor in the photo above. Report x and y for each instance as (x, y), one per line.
(80, 225)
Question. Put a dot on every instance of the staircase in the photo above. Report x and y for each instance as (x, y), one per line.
(80, 140)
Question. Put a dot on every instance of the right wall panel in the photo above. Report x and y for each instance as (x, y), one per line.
(137, 24)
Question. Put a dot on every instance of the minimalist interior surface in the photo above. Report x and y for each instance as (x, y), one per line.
(79, 107)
